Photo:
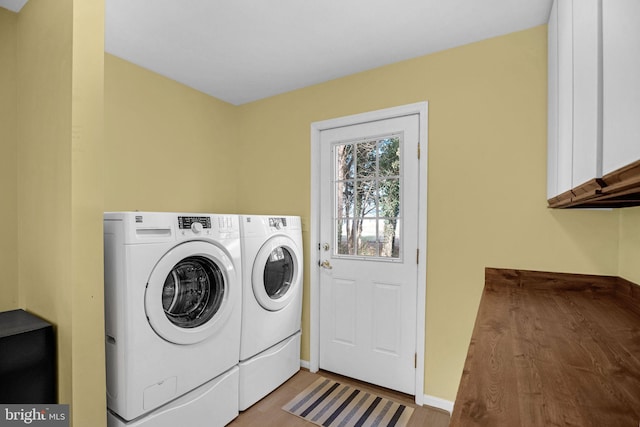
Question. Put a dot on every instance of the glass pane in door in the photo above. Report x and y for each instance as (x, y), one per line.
(366, 159)
(345, 237)
(367, 197)
(389, 237)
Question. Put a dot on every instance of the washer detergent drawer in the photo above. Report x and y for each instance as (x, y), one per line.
(266, 371)
(213, 404)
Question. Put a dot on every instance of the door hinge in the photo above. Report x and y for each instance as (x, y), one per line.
(415, 360)
(418, 151)
(417, 256)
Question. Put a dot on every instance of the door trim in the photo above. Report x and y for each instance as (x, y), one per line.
(420, 108)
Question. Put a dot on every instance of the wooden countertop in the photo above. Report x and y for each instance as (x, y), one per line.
(552, 349)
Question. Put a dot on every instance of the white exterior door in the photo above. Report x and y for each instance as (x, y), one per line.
(368, 251)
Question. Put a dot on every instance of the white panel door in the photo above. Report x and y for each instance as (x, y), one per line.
(368, 233)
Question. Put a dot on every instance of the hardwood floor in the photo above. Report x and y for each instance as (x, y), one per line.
(269, 413)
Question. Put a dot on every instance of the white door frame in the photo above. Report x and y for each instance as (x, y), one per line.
(420, 108)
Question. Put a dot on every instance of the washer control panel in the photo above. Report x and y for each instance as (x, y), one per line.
(277, 223)
(190, 222)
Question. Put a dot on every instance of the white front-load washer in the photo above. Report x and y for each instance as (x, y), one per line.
(271, 305)
(173, 288)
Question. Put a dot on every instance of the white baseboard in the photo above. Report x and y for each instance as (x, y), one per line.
(434, 402)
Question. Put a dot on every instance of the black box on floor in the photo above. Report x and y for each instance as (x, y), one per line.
(27, 359)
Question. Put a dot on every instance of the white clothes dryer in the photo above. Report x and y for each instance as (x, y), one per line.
(173, 288)
(271, 305)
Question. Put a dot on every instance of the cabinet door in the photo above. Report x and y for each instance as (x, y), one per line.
(587, 92)
(575, 95)
(560, 99)
(552, 101)
(621, 79)
(565, 95)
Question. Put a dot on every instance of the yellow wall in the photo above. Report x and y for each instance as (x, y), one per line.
(487, 176)
(8, 157)
(629, 265)
(88, 386)
(44, 170)
(168, 147)
(59, 181)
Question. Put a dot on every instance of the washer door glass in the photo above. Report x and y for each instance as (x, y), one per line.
(193, 292)
(278, 272)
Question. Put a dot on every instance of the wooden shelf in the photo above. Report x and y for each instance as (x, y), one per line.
(552, 349)
(619, 189)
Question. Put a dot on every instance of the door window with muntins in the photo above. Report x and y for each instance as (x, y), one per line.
(367, 197)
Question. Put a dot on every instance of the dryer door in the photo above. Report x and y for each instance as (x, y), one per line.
(190, 292)
(277, 273)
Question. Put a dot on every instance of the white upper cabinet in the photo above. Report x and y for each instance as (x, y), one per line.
(574, 98)
(621, 78)
(594, 104)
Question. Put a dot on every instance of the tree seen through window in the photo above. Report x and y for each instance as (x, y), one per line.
(367, 194)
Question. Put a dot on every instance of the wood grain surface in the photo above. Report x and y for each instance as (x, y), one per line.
(552, 350)
(620, 188)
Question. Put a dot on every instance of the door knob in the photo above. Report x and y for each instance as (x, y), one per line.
(325, 264)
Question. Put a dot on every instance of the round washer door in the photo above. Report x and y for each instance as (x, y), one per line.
(277, 273)
(190, 292)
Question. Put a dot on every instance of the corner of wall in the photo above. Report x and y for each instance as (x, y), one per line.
(629, 244)
(9, 288)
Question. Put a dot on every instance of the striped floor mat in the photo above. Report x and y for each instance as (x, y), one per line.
(328, 403)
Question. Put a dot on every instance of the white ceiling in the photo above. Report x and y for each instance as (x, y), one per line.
(12, 5)
(243, 50)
